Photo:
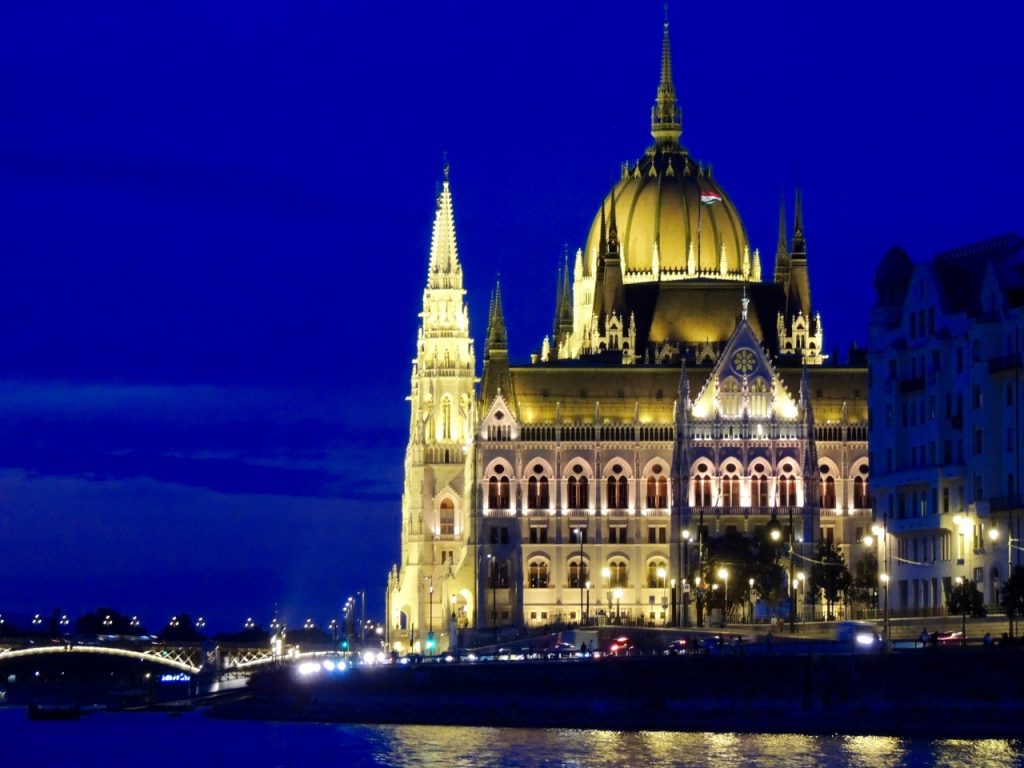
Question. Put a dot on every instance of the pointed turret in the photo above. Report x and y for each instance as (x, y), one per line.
(614, 294)
(602, 249)
(799, 246)
(565, 318)
(497, 339)
(782, 251)
(558, 305)
(666, 117)
(444, 270)
(496, 374)
(799, 280)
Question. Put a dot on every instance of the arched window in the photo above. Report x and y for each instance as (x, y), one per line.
(827, 492)
(657, 489)
(539, 573)
(759, 398)
(447, 518)
(860, 489)
(497, 489)
(730, 397)
(578, 489)
(702, 486)
(446, 418)
(758, 487)
(730, 487)
(619, 572)
(618, 488)
(578, 573)
(657, 574)
(537, 496)
(787, 490)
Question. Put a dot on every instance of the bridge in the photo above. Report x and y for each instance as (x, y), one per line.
(192, 658)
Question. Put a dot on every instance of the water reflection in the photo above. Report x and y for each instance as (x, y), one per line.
(478, 747)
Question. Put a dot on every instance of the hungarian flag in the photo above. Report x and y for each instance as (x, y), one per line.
(710, 197)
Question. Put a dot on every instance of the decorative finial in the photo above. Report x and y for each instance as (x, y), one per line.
(666, 117)
(445, 166)
(745, 302)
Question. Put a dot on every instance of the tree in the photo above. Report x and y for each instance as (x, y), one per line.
(1013, 597)
(865, 583)
(964, 598)
(829, 577)
(181, 629)
(107, 621)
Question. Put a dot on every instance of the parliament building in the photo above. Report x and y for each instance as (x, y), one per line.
(683, 395)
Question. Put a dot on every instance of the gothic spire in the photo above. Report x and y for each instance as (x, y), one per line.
(799, 246)
(444, 270)
(782, 251)
(497, 338)
(666, 117)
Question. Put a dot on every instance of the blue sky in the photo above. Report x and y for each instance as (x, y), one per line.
(216, 220)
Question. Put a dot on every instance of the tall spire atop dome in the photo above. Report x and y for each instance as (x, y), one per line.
(444, 270)
(666, 117)
(782, 251)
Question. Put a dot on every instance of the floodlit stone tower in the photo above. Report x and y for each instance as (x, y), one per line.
(427, 596)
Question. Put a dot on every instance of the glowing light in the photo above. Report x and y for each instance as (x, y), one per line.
(993, 533)
(328, 665)
(877, 530)
(307, 668)
(868, 541)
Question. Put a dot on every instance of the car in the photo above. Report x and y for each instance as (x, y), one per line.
(680, 647)
(620, 646)
(459, 654)
(950, 638)
(560, 651)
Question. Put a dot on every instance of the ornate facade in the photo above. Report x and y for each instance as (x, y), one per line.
(680, 397)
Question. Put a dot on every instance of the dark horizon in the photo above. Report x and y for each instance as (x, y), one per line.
(217, 223)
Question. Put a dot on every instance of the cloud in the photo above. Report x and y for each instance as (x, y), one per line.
(287, 442)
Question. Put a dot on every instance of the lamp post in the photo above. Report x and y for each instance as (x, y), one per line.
(662, 574)
(686, 576)
(884, 578)
(492, 574)
(617, 594)
(723, 574)
(801, 595)
(674, 617)
(963, 609)
(750, 596)
(792, 554)
(993, 533)
(579, 573)
(606, 574)
(586, 613)
(430, 614)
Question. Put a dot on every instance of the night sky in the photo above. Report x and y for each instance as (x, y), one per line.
(215, 222)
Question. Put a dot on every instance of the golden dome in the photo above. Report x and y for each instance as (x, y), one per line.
(658, 205)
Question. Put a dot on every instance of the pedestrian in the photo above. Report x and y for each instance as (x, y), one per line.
(924, 637)
(768, 641)
(987, 640)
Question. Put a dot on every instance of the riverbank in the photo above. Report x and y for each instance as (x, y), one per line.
(955, 694)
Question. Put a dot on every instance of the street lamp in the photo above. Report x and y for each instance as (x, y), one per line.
(674, 617)
(723, 574)
(606, 575)
(586, 613)
(962, 585)
(579, 573)
(617, 594)
(884, 578)
(492, 571)
(800, 576)
(750, 595)
(993, 533)
(686, 575)
(662, 573)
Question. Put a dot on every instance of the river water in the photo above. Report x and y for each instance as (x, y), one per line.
(158, 740)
